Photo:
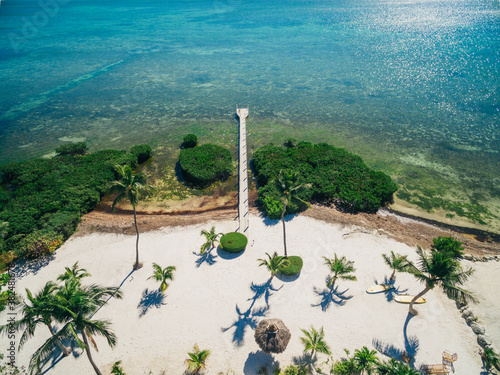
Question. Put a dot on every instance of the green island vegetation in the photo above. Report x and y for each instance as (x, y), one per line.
(205, 164)
(42, 200)
(334, 174)
(233, 242)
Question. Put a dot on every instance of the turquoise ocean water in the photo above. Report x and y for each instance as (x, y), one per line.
(412, 86)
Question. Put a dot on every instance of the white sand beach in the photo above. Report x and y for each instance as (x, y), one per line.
(217, 300)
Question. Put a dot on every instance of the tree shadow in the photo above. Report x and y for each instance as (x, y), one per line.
(150, 299)
(262, 290)
(250, 317)
(257, 360)
(272, 222)
(25, 267)
(228, 255)
(390, 294)
(307, 360)
(411, 342)
(207, 257)
(119, 286)
(331, 296)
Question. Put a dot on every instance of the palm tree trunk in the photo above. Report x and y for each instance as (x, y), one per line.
(393, 275)
(284, 231)
(412, 310)
(66, 351)
(137, 265)
(89, 355)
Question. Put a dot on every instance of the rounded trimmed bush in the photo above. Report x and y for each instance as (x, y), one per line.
(205, 164)
(294, 267)
(233, 242)
(190, 141)
(143, 152)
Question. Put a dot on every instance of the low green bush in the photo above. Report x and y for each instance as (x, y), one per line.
(205, 164)
(293, 267)
(79, 148)
(190, 141)
(143, 152)
(37, 244)
(233, 242)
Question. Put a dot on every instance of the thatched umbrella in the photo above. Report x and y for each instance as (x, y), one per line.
(272, 336)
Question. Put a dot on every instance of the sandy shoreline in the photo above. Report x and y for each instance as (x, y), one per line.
(217, 300)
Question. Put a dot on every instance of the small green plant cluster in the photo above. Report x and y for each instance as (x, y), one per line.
(233, 242)
(42, 200)
(293, 267)
(142, 152)
(334, 174)
(79, 148)
(203, 165)
(190, 141)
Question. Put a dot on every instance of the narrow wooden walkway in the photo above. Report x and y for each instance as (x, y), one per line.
(243, 173)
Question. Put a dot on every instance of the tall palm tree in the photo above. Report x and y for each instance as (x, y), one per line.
(288, 186)
(396, 262)
(340, 268)
(439, 268)
(128, 187)
(196, 360)
(211, 238)
(314, 341)
(75, 305)
(73, 273)
(38, 310)
(162, 275)
(365, 360)
(274, 263)
(394, 367)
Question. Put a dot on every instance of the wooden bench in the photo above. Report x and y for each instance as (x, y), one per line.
(436, 369)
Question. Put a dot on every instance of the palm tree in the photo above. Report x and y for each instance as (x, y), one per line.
(394, 367)
(314, 341)
(274, 263)
(75, 305)
(365, 360)
(211, 238)
(288, 187)
(396, 262)
(117, 368)
(439, 268)
(129, 187)
(341, 268)
(73, 273)
(39, 310)
(162, 275)
(490, 359)
(196, 360)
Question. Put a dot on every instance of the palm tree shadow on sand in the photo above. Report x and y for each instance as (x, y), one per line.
(207, 257)
(25, 267)
(258, 360)
(307, 360)
(150, 299)
(394, 291)
(410, 349)
(250, 317)
(330, 296)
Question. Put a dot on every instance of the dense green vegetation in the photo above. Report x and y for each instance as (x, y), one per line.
(190, 141)
(293, 267)
(205, 164)
(336, 176)
(42, 200)
(233, 242)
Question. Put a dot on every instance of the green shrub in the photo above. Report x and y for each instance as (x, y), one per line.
(142, 152)
(79, 148)
(205, 164)
(233, 242)
(190, 141)
(336, 176)
(37, 244)
(293, 267)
